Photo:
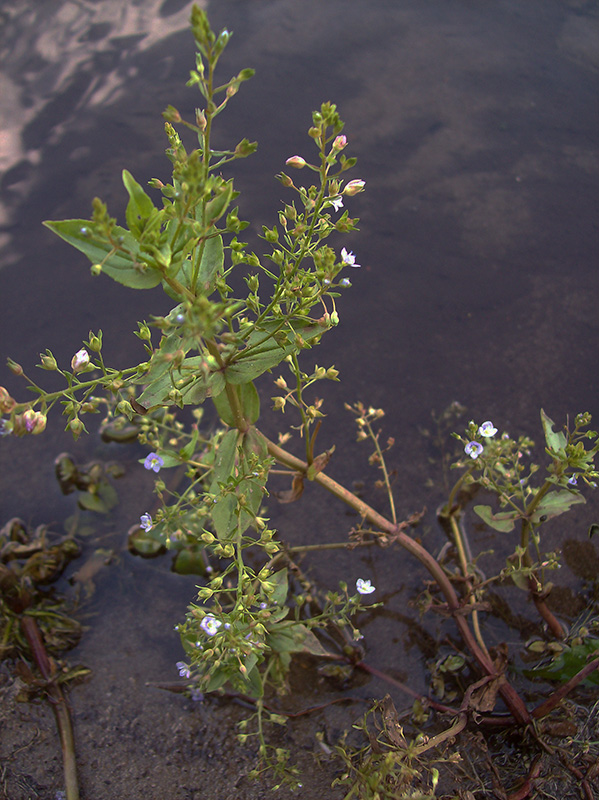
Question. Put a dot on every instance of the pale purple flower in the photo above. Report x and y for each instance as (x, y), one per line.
(184, 670)
(154, 462)
(210, 624)
(337, 202)
(146, 522)
(5, 427)
(364, 587)
(348, 258)
(487, 429)
(573, 480)
(473, 449)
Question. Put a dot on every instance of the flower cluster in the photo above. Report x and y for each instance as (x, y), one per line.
(474, 448)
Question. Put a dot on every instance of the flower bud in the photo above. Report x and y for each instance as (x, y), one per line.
(7, 403)
(15, 368)
(76, 427)
(34, 422)
(95, 270)
(80, 360)
(340, 142)
(48, 361)
(95, 342)
(296, 161)
(353, 187)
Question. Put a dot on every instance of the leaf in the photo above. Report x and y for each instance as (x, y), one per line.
(260, 356)
(213, 259)
(279, 595)
(503, 521)
(555, 441)
(569, 663)
(139, 207)
(157, 392)
(555, 503)
(119, 265)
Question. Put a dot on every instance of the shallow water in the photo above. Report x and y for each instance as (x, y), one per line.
(475, 129)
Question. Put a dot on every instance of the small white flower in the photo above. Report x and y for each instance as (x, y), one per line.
(210, 624)
(364, 587)
(337, 202)
(80, 360)
(348, 258)
(474, 449)
(146, 522)
(487, 429)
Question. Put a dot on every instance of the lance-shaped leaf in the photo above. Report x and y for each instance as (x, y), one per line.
(119, 264)
(555, 441)
(263, 352)
(139, 207)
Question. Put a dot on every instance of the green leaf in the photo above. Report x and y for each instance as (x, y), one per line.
(248, 399)
(139, 207)
(217, 207)
(120, 265)
(556, 442)
(569, 663)
(555, 503)
(157, 391)
(213, 259)
(503, 521)
(279, 595)
(260, 356)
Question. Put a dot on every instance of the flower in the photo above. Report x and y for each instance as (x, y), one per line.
(210, 624)
(340, 142)
(80, 360)
(184, 670)
(344, 282)
(146, 522)
(353, 187)
(487, 429)
(364, 587)
(474, 449)
(337, 202)
(296, 161)
(5, 427)
(348, 258)
(34, 421)
(154, 462)
(573, 480)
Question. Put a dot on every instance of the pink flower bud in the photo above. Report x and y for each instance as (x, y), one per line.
(80, 360)
(7, 403)
(296, 161)
(340, 142)
(353, 187)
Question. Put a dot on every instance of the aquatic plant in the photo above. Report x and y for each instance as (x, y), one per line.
(250, 615)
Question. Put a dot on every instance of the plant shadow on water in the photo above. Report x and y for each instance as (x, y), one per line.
(474, 132)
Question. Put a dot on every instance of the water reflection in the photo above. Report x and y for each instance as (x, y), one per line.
(475, 129)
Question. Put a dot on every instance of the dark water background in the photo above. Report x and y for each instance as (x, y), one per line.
(475, 128)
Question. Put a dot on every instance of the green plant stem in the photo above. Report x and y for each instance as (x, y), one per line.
(240, 421)
(58, 703)
(535, 583)
(396, 531)
(458, 537)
